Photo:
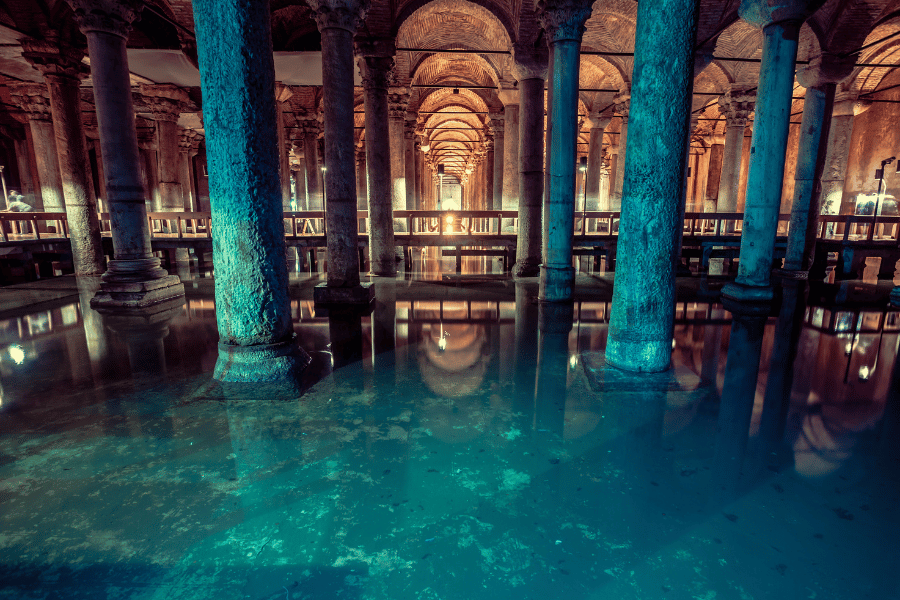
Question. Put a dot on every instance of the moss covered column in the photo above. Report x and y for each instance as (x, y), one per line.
(376, 61)
(337, 21)
(134, 279)
(780, 21)
(643, 307)
(256, 335)
(63, 70)
(530, 69)
(564, 22)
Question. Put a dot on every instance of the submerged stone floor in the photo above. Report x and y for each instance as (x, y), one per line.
(439, 448)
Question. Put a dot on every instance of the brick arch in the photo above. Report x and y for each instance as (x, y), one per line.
(465, 69)
(438, 119)
(867, 79)
(496, 16)
(431, 100)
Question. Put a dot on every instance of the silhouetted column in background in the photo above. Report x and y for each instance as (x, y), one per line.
(595, 163)
(510, 198)
(398, 98)
(499, 156)
(622, 104)
(530, 69)
(643, 307)
(256, 335)
(736, 105)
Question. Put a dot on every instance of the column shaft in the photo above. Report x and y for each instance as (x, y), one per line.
(313, 174)
(731, 169)
(409, 143)
(396, 123)
(595, 163)
(378, 166)
(615, 194)
(47, 165)
(499, 157)
(641, 325)
(171, 193)
(511, 147)
(531, 178)
(714, 175)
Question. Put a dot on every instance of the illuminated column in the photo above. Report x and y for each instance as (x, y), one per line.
(63, 70)
(510, 198)
(337, 21)
(780, 21)
(282, 94)
(499, 156)
(713, 174)
(622, 105)
(563, 20)
(398, 98)
(32, 98)
(134, 279)
(256, 336)
(737, 106)
(530, 69)
(595, 163)
(150, 166)
(166, 103)
(643, 306)
(311, 163)
(409, 147)
(839, 135)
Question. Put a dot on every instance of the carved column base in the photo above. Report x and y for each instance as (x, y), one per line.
(260, 362)
(125, 296)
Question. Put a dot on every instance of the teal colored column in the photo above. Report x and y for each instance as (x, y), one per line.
(256, 335)
(780, 21)
(564, 23)
(640, 329)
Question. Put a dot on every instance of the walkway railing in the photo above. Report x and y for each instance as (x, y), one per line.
(589, 224)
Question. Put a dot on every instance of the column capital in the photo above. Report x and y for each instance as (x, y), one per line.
(763, 13)
(375, 47)
(622, 104)
(106, 16)
(530, 61)
(826, 68)
(309, 124)
(147, 139)
(598, 122)
(376, 72)
(55, 59)
(737, 106)
(339, 14)
(165, 102)
(33, 98)
(398, 98)
(563, 19)
(497, 124)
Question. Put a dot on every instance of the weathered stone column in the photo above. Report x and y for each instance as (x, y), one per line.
(63, 70)
(375, 66)
(409, 143)
(530, 69)
(188, 148)
(643, 308)
(563, 20)
(780, 21)
(256, 336)
(32, 98)
(623, 102)
(337, 21)
(595, 162)
(820, 79)
(23, 161)
(314, 187)
(398, 98)
(166, 103)
(510, 198)
(488, 170)
(282, 94)
(713, 174)
(134, 279)
(839, 136)
(736, 105)
(362, 191)
(499, 156)
(149, 167)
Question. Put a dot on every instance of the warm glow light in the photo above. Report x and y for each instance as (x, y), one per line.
(848, 348)
(17, 354)
(426, 147)
(573, 361)
(442, 344)
(863, 373)
(449, 220)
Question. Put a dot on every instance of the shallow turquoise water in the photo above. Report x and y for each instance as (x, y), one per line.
(449, 445)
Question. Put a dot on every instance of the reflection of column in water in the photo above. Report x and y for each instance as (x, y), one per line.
(712, 349)
(143, 335)
(94, 330)
(525, 352)
(738, 394)
(385, 359)
(889, 434)
(554, 325)
(781, 372)
(345, 331)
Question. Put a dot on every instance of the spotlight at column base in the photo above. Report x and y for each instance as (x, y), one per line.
(260, 362)
(556, 283)
(326, 295)
(748, 293)
(639, 356)
(118, 296)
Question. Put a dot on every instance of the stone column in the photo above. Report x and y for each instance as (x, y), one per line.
(643, 307)
(530, 69)
(499, 156)
(188, 146)
(713, 174)
(362, 192)
(488, 171)
(282, 94)
(737, 106)
(337, 21)
(314, 187)
(564, 22)
(623, 102)
(398, 99)
(820, 79)
(510, 197)
(409, 142)
(147, 146)
(23, 161)
(595, 162)
(33, 100)
(375, 65)
(166, 103)
(841, 131)
(780, 21)
(237, 71)
(134, 279)
(63, 70)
